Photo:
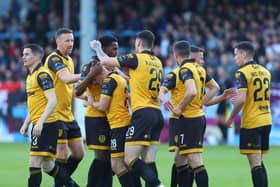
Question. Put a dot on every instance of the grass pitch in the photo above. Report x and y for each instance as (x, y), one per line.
(225, 166)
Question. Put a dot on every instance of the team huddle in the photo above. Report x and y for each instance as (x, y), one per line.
(123, 120)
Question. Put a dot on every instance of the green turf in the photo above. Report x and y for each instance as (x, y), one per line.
(225, 166)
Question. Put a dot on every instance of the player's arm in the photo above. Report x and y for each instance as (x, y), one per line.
(227, 94)
(121, 73)
(186, 76)
(240, 97)
(213, 89)
(46, 84)
(103, 103)
(85, 80)
(56, 65)
(25, 125)
(67, 77)
(168, 83)
(129, 60)
(108, 87)
(102, 56)
(238, 104)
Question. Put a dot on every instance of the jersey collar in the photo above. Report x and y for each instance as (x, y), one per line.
(60, 54)
(248, 63)
(148, 52)
(188, 60)
(36, 68)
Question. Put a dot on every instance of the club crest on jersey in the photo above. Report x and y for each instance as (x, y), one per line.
(55, 59)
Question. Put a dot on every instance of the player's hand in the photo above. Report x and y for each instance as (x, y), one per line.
(95, 45)
(177, 111)
(233, 99)
(95, 69)
(229, 93)
(37, 129)
(168, 105)
(88, 100)
(23, 129)
(229, 123)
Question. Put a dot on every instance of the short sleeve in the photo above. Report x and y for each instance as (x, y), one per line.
(45, 81)
(55, 63)
(170, 81)
(129, 61)
(185, 74)
(108, 86)
(240, 80)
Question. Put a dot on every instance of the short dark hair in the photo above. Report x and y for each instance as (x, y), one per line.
(147, 38)
(107, 40)
(195, 49)
(246, 46)
(35, 48)
(182, 48)
(63, 30)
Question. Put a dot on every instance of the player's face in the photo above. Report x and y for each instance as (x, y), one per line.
(198, 56)
(112, 50)
(239, 56)
(28, 58)
(65, 43)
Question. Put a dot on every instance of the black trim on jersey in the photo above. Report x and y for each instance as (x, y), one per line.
(45, 81)
(55, 63)
(108, 86)
(36, 68)
(58, 52)
(129, 61)
(248, 63)
(185, 74)
(241, 81)
(208, 78)
(148, 52)
(189, 60)
(170, 81)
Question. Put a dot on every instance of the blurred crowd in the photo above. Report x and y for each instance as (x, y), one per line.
(215, 25)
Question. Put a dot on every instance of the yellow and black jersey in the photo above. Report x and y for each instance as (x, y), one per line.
(115, 86)
(56, 62)
(38, 82)
(94, 90)
(255, 79)
(173, 84)
(189, 69)
(145, 72)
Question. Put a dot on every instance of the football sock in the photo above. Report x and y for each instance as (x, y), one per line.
(61, 163)
(107, 173)
(185, 176)
(265, 174)
(173, 182)
(94, 173)
(125, 179)
(152, 165)
(258, 176)
(141, 169)
(72, 164)
(35, 177)
(201, 176)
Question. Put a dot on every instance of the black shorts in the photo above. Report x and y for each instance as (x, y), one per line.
(190, 133)
(254, 141)
(117, 141)
(145, 127)
(69, 132)
(45, 145)
(97, 133)
(173, 137)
